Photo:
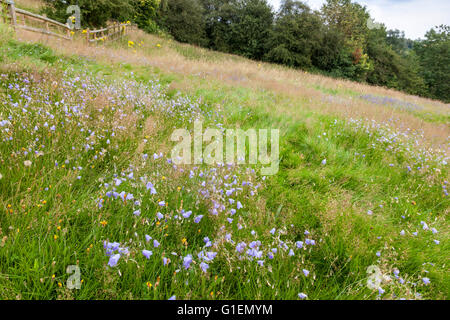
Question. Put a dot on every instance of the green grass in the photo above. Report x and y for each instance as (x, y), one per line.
(51, 218)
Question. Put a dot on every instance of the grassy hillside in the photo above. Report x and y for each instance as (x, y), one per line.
(84, 131)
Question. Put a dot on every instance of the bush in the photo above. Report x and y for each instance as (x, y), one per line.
(146, 13)
(295, 36)
(93, 13)
(183, 19)
(434, 55)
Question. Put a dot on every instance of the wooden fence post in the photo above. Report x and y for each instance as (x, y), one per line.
(12, 12)
(87, 36)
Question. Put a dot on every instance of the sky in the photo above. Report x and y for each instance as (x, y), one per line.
(414, 17)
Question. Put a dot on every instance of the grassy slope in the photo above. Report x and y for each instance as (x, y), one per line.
(30, 5)
(52, 219)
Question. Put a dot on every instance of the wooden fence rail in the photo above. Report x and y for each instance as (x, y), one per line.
(112, 32)
(51, 27)
(22, 19)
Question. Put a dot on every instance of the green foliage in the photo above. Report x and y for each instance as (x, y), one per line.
(392, 69)
(251, 28)
(93, 13)
(238, 26)
(434, 55)
(52, 219)
(183, 19)
(337, 40)
(399, 43)
(350, 18)
(146, 14)
(219, 16)
(328, 55)
(296, 35)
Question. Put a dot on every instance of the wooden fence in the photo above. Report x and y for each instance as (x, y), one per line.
(7, 12)
(22, 19)
(112, 32)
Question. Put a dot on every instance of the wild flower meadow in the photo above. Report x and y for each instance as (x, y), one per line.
(358, 209)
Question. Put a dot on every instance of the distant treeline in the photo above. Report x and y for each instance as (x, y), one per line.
(339, 40)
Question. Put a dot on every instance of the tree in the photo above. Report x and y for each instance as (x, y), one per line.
(252, 28)
(331, 55)
(398, 42)
(184, 20)
(220, 16)
(146, 14)
(93, 13)
(434, 55)
(391, 68)
(295, 36)
(351, 20)
(348, 17)
(238, 26)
